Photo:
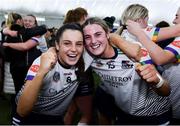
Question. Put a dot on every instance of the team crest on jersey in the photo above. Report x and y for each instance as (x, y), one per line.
(176, 43)
(98, 63)
(52, 91)
(126, 64)
(56, 76)
(34, 68)
(111, 64)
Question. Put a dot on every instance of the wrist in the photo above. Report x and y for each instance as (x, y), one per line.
(82, 124)
(160, 83)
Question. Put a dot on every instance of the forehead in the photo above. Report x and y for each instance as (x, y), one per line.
(72, 35)
(92, 28)
(29, 18)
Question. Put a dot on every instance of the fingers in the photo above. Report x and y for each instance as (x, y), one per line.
(148, 72)
(52, 49)
(137, 66)
(5, 44)
(49, 56)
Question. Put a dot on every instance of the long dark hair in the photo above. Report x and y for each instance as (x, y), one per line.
(72, 26)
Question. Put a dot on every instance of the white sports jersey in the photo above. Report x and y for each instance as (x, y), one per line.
(87, 59)
(42, 45)
(174, 47)
(131, 93)
(59, 87)
(152, 32)
(145, 59)
(172, 74)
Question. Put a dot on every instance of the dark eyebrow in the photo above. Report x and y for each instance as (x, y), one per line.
(66, 40)
(70, 41)
(94, 33)
(99, 32)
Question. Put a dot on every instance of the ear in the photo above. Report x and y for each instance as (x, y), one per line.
(108, 37)
(57, 46)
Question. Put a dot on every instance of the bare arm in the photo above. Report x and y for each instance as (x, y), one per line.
(132, 50)
(154, 50)
(7, 31)
(169, 32)
(21, 46)
(149, 73)
(84, 103)
(32, 88)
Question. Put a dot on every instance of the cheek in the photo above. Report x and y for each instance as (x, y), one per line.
(87, 41)
(31, 24)
(87, 45)
(81, 50)
(104, 40)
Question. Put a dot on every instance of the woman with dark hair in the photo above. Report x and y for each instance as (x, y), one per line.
(53, 80)
(78, 15)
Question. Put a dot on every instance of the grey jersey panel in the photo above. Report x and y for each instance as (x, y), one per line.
(172, 74)
(132, 95)
(59, 87)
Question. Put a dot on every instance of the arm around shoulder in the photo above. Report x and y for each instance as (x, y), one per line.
(132, 50)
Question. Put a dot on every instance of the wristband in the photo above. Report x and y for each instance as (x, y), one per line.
(161, 81)
(82, 124)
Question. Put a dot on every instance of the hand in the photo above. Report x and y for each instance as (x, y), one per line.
(133, 27)
(13, 33)
(149, 73)
(7, 31)
(48, 60)
(5, 44)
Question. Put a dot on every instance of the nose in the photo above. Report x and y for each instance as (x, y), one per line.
(93, 40)
(73, 48)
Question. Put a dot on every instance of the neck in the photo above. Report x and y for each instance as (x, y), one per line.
(63, 64)
(109, 52)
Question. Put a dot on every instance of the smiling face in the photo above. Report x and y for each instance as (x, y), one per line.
(96, 40)
(70, 47)
(29, 21)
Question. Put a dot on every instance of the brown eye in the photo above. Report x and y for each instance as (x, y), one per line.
(79, 44)
(87, 37)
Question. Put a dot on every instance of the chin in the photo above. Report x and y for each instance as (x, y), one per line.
(72, 63)
(97, 53)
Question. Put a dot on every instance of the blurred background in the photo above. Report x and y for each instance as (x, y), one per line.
(51, 12)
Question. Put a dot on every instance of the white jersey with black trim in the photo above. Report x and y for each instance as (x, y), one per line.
(59, 87)
(172, 74)
(87, 59)
(133, 95)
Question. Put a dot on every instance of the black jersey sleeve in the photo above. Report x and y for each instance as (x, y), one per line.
(27, 33)
(86, 85)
